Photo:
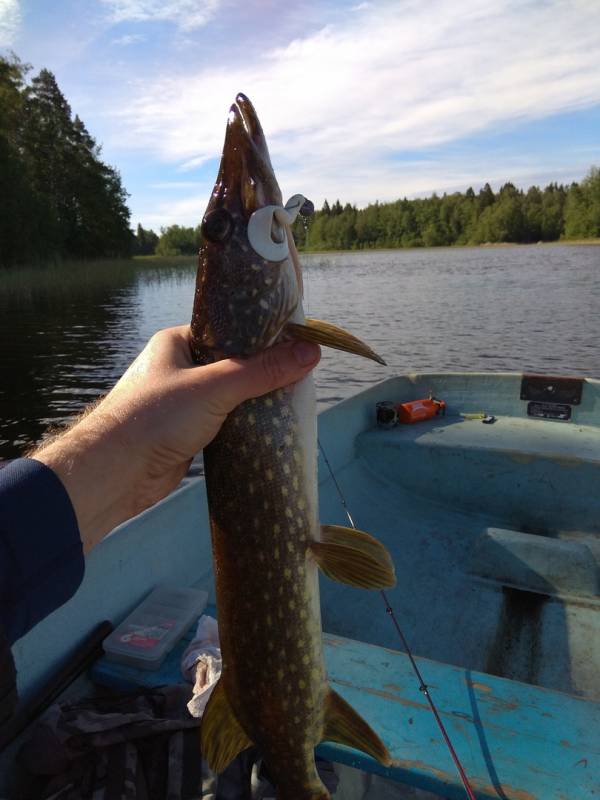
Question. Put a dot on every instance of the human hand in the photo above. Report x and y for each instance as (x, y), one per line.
(135, 446)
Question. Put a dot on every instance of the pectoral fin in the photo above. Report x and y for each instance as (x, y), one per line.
(315, 330)
(345, 726)
(353, 557)
(221, 735)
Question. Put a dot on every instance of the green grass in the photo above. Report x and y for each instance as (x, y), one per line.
(454, 246)
(166, 262)
(578, 241)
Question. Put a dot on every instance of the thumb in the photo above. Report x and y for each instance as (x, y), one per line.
(280, 365)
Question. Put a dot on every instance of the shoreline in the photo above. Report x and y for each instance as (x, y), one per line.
(485, 246)
(101, 268)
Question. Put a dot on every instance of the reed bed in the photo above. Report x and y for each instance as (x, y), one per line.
(74, 277)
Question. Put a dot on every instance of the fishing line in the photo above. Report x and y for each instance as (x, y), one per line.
(423, 688)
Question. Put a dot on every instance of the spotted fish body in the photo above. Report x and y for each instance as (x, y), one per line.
(261, 476)
(267, 588)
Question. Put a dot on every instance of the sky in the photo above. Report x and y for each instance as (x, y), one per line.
(360, 101)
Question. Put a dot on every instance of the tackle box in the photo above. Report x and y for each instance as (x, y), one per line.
(145, 637)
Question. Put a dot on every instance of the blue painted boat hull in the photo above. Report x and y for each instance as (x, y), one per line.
(494, 531)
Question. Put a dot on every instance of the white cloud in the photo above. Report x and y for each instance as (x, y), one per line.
(10, 18)
(131, 38)
(186, 14)
(366, 182)
(186, 211)
(341, 106)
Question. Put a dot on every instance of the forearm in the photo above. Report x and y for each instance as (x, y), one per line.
(121, 457)
(134, 447)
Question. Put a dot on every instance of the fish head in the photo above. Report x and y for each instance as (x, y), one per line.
(245, 292)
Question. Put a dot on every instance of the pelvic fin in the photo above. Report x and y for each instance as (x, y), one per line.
(353, 557)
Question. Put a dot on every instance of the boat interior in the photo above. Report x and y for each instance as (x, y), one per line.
(494, 530)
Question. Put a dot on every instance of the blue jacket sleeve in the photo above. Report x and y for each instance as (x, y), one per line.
(41, 556)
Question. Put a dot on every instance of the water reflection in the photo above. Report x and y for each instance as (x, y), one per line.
(57, 349)
(66, 341)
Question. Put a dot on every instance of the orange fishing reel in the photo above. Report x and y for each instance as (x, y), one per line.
(390, 414)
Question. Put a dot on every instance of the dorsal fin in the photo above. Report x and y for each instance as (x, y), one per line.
(329, 335)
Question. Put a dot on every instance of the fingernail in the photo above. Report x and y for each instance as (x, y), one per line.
(305, 353)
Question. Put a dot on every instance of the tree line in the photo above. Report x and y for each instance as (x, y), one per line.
(59, 199)
(509, 215)
(461, 218)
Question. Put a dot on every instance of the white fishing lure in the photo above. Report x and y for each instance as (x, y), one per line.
(261, 228)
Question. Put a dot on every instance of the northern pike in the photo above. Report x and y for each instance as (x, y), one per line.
(261, 480)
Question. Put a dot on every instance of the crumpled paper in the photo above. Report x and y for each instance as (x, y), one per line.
(201, 664)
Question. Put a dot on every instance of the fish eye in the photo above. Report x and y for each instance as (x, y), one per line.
(217, 225)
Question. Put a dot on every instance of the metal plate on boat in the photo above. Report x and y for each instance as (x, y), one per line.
(551, 389)
(559, 411)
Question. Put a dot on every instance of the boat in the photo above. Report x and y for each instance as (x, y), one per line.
(494, 530)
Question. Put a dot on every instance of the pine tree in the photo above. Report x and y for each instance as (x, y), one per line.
(582, 210)
(145, 242)
(46, 141)
(485, 197)
(22, 207)
(553, 208)
(63, 200)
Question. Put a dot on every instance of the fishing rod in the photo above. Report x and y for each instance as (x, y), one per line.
(423, 688)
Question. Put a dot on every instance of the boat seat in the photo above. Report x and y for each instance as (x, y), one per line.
(514, 740)
(538, 563)
(496, 469)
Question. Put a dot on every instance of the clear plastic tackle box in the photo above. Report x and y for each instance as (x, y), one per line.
(145, 637)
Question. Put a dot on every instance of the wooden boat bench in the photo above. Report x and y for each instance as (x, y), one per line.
(515, 741)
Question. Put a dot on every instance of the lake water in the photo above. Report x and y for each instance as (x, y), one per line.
(482, 309)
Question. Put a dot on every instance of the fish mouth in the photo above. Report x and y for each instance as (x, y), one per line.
(246, 180)
(243, 110)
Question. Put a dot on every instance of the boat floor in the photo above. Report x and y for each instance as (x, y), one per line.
(488, 719)
(445, 612)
